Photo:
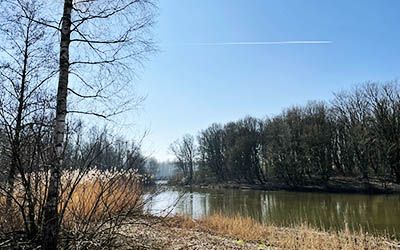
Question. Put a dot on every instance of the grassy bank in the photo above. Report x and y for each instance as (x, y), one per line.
(247, 231)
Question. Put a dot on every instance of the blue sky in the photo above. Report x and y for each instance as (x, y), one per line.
(189, 85)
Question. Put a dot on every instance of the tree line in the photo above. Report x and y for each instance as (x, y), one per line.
(355, 136)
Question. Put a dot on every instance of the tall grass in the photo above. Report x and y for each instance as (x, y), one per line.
(93, 206)
(97, 207)
(302, 237)
(101, 197)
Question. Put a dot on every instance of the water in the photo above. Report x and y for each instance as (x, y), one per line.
(375, 214)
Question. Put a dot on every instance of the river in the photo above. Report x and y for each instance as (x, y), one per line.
(375, 214)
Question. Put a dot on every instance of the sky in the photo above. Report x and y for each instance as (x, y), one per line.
(221, 60)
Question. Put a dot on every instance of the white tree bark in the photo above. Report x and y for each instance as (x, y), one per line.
(51, 213)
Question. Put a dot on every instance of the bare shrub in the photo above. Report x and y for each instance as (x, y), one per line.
(99, 205)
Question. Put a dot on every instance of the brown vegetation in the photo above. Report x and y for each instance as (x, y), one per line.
(100, 197)
(297, 237)
(93, 210)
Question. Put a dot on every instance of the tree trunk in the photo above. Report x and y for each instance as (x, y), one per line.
(191, 172)
(51, 216)
(16, 143)
(10, 185)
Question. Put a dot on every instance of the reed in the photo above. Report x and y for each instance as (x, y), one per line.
(302, 237)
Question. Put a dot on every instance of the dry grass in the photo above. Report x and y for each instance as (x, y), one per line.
(98, 207)
(98, 199)
(296, 237)
(93, 206)
(10, 219)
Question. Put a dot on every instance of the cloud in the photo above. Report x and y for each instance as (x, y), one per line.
(260, 43)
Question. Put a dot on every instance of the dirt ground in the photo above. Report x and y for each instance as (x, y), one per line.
(161, 235)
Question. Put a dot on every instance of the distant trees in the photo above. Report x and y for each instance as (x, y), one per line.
(243, 144)
(356, 135)
(368, 130)
(109, 152)
(297, 144)
(184, 151)
(211, 150)
(153, 167)
(164, 170)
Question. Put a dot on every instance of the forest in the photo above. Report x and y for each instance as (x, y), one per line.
(355, 137)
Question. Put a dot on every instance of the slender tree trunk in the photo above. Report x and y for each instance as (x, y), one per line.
(51, 216)
(191, 172)
(10, 184)
(16, 144)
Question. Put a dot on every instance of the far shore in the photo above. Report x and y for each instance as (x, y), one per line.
(338, 185)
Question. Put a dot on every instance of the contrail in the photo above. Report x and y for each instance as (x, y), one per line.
(260, 43)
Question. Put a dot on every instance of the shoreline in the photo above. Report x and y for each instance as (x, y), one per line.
(220, 232)
(335, 186)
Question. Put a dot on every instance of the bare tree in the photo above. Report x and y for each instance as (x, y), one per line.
(104, 36)
(26, 66)
(185, 152)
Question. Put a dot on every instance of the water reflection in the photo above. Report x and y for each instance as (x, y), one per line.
(375, 214)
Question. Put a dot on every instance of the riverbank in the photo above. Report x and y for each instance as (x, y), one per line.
(334, 185)
(219, 232)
